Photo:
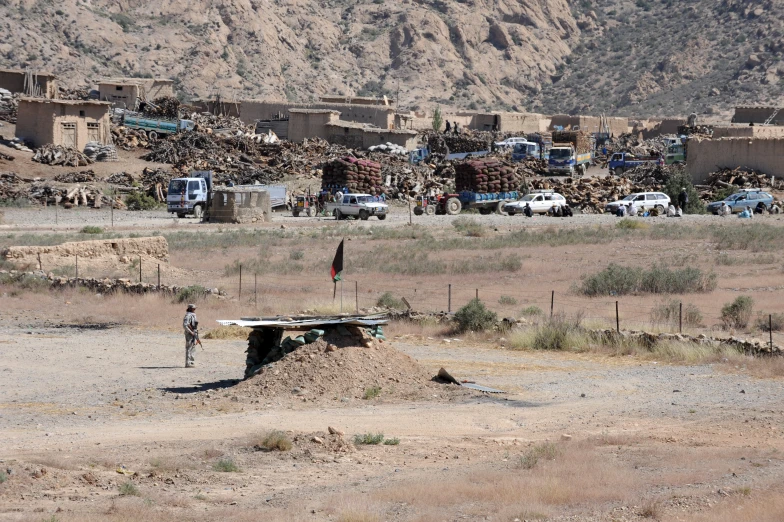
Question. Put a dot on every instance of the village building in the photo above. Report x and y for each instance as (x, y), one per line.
(326, 124)
(70, 123)
(29, 83)
(124, 93)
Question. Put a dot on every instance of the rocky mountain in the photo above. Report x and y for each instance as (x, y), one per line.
(617, 56)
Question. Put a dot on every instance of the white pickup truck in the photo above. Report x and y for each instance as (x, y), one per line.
(360, 206)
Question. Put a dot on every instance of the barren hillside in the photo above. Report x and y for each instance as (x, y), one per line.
(554, 55)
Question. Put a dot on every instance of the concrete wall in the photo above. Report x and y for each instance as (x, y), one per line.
(14, 81)
(41, 122)
(744, 131)
(706, 156)
(366, 138)
(757, 115)
(309, 124)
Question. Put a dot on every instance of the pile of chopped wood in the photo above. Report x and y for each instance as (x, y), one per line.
(589, 195)
(697, 131)
(120, 178)
(9, 104)
(441, 143)
(164, 107)
(485, 176)
(356, 175)
(84, 176)
(129, 139)
(59, 155)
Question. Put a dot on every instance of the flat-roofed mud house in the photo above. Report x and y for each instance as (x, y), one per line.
(70, 123)
(125, 92)
(29, 83)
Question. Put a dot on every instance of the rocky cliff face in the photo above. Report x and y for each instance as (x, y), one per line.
(554, 55)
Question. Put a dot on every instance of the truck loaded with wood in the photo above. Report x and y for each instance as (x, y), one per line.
(571, 154)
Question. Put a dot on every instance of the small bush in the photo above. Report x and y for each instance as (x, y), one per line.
(545, 451)
(190, 294)
(632, 224)
(510, 263)
(475, 317)
(469, 226)
(297, 255)
(766, 322)
(755, 237)
(89, 229)
(3, 477)
(274, 441)
(680, 179)
(557, 334)
(668, 312)
(507, 300)
(25, 282)
(531, 311)
(129, 489)
(394, 441)
(372, 392)
(140, 201)
(226, 466)
(368, 438)
(390, 301)
(623, 280)
(737, 313)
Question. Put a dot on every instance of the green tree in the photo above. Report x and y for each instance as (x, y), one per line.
(680, 179)
(438, 119)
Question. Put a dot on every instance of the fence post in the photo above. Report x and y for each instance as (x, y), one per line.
(449, 300)
(239, 293)
(255, 289)
(77, 266)
(410, 216)
(356, 293)
(680, 317)
(40, 267)
(140, 269)
(477, 294)
(159, 276)
(112, 206)
(552, 303)
(617, 319)
(770, 329)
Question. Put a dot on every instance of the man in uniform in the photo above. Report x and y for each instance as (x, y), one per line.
(190, 324)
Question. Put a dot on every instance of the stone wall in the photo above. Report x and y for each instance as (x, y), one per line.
(706, 156)
(63, 255)
(240, 205)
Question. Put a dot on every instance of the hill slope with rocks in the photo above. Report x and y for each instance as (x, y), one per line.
(618, 56)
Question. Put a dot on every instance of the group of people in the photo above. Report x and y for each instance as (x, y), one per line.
(452, 128)
(555, 211)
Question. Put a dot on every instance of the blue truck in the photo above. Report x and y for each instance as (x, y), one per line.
(571, 154)
(620, 162)
(155, 127)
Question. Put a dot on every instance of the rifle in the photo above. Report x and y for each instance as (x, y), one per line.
(196, 335)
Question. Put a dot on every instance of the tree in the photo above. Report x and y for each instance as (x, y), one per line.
(438, 120)
(678, 180)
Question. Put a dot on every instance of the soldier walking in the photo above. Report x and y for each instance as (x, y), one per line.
(190, 325)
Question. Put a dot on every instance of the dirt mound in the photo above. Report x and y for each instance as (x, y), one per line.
(338, 368)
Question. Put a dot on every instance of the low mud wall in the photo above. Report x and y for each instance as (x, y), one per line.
(117, 251)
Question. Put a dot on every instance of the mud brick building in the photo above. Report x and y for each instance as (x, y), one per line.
(70, 123)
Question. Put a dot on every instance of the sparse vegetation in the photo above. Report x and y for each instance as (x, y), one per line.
(90, 229)
(226, 466)
(531, 311)
(558, 333)
(296, 255)
(3, 477)
(469, 227)
(632, 224)
(756, 237)
(668, 312)
(368, 439)
(737, 314)
(768, 322)
(475, 317)
(544, 451)
(372, 392)
(227, 332)
(140, 201)
(192, 293)
(387, 300)
(394, 441)
(129, 489)
(621, 280)
(438, 120)
(507, 300)
(273, 441)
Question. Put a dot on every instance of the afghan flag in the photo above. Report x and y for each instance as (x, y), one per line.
(337, 263)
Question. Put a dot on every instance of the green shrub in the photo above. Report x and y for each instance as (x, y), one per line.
(372, 392)
(274, 441)
(531, 311)
(510, 263)
(469, 226)
(755, 237)
(737, 313)
(394, 441)
(668, 312)
(190, 294)
(3, 477)
(475, 317)
(632, 224)
(226, 466)
(129, 489)
(622, 280)
(768, 322)
(558, 333)
(25, 282)
(90, 229)
(507, 300)
(368, 438)
(678, 180)
(140, 201)
(545, 451)
(390, 301)
(297, 255)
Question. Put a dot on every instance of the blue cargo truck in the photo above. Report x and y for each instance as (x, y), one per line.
(571, 154)
(155, 127)
(620, 162)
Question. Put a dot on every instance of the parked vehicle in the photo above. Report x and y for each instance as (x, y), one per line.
(509, 143)
(545, 142)
(427, 205)
(540, 202)
(643, 201)
(620, 162)
(572, 153)
(486, 203)
(360, 206)
(155, 127)
(740, 200)
(525, 149)
(305, 204)
(417, 156)
(192, 196)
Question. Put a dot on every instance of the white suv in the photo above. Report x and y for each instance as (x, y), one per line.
(643, 201)
(509, 143)
(540, 202)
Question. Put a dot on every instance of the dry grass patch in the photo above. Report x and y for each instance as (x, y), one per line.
(272, 441)
(762, 367)
(232, 332)
(765, 507)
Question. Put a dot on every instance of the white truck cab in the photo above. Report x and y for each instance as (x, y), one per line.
(190, 196)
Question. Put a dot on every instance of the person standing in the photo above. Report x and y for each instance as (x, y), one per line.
(191, 326)
(683, 199)
(448, 127)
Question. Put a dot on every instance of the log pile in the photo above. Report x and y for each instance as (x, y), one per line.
(9, 104)
(59, 155)
(84, 176)
(363, 176)
(444, 144)
(590, 195)
(697, 131)
(129, 139)
(164, 107)
(741, 178)
(485, 176)
(120, 178)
